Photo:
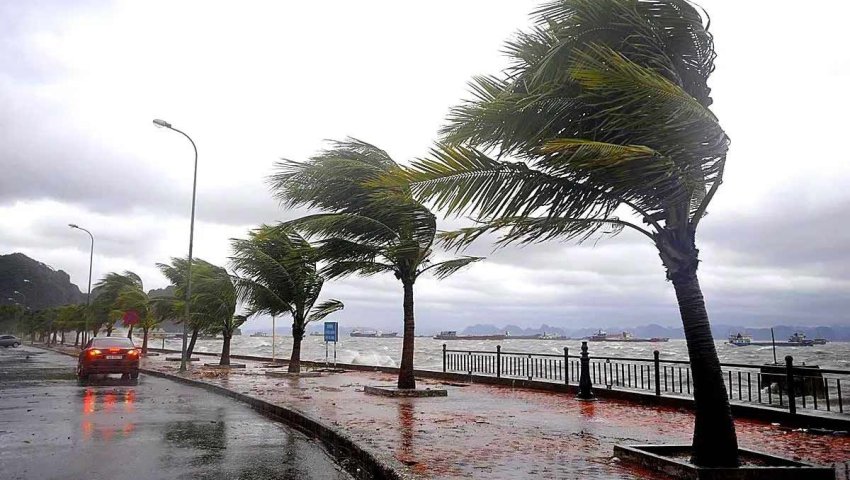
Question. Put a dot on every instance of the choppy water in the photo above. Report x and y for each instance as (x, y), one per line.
(428, 353)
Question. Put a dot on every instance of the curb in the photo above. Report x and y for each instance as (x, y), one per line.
(355, 460)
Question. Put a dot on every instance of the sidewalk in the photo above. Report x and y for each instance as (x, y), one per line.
(482, 431)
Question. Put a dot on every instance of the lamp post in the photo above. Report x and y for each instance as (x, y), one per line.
(88, 293)
(163, 124)
(22, 296)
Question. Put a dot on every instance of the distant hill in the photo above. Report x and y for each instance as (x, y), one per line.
(40, 285)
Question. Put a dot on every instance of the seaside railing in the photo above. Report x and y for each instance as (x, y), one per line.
(787, 386)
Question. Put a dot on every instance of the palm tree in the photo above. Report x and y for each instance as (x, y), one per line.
(214, 301)
(367, 229)
(175, 272)
(105, 306)
(606, 108)
(278, 275)
(133, 298)
(212, 304)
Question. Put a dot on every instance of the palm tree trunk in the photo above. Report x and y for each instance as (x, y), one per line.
(297, 336)
(77, 338)
(145, 340)
(191, 347)
(62, 338)
(715, 443)
(225, 348)
(405, 373)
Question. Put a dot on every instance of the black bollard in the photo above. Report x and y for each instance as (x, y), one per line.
(585, 392)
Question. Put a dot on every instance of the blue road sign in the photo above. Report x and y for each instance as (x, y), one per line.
(331, 331)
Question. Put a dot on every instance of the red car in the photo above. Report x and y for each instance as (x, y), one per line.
(109, 355)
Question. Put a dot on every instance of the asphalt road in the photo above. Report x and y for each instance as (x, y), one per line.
(53, 428)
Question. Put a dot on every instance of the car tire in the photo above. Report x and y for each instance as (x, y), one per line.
(16, 344)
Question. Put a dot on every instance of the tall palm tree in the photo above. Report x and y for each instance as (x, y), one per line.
(214, 301)
(105, 306)
(277, 274)
(605, 107)
(366, 228)
(175, 272)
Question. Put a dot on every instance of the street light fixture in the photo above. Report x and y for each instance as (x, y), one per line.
(88, 295)
(163, 124)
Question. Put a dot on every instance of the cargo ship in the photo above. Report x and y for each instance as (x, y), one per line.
(796, 340)
(602, 336)
(452, 335)
(372, 334)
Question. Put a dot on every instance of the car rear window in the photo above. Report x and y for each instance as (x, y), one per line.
(112, 342)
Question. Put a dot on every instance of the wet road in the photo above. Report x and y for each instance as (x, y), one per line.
(53, 428)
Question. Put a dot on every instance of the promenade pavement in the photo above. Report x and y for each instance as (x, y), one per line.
(490, 432)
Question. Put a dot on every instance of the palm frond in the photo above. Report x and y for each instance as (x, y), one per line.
(527, 230)
(461, 180)
(324, 309)
(445, 269)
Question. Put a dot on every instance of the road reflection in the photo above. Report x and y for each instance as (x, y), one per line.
(104, 414)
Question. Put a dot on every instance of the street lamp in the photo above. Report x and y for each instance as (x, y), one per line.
(163, 124)
(88, 295)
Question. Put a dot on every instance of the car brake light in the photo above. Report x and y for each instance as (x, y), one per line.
(132, 353)
(94, 353)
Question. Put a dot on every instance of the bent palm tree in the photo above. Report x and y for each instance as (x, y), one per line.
(214, 303)
(175, 272)
(606, 107)
(277, 275)
(104, 308)
(368, 229)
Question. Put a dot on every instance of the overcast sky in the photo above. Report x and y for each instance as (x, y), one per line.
(252, 82)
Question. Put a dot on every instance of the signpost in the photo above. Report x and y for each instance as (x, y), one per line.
(331, 335)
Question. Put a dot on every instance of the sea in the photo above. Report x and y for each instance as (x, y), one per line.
(428, 351)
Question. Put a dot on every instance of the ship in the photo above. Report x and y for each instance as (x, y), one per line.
(372, 334)
(603, 336)
(260, 334)
(820, 341)
(796, 340)
(452, 335)
(740, 339)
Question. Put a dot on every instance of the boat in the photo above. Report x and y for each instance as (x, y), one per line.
(452, 335)
(603, 336)
(372, 334)
(740, 339)
(260, 334)
(795, 340)
(317, 334)
(799, 339)
(820, 341)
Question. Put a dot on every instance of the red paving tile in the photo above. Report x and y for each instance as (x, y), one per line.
(490, 432)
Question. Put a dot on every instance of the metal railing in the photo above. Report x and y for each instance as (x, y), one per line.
(786, 386)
